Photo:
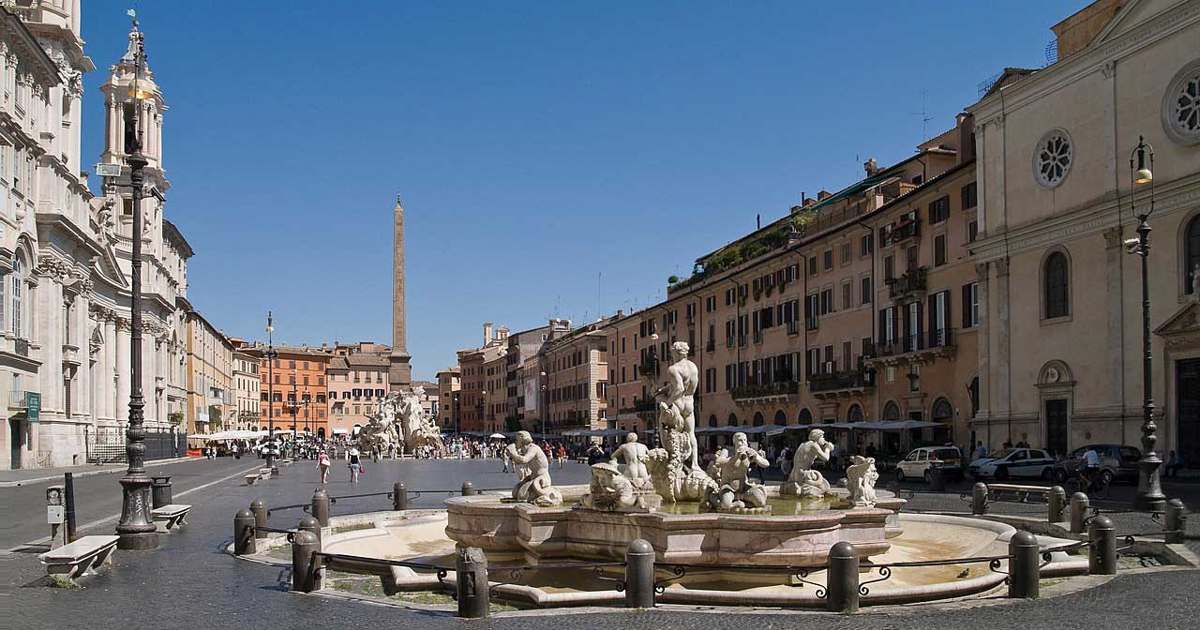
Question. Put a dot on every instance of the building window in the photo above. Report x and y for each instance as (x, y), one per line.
(942, 411)
(846, 296)
(18, 278)
(845, 253)
(939, 250)
(866, 290)
(866, 244)
(828, 259)
(1056, 285)
(1191, 261)
(1181, 105)
(889, 268)
(970, 196)
(970, 305)
(972, 231)
(939, 210)
(1052, 159)
(891, 411)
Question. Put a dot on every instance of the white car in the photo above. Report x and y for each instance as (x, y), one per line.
(1022, 463)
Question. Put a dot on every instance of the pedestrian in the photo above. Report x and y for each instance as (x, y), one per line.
(562, 456)
(1173, 465)
(323, 466)
(980, 451)
(785, 462)
(355, 464)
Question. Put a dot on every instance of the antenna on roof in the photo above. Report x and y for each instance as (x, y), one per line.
(925, 118)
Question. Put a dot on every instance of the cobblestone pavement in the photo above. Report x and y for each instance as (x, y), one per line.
(190, 582)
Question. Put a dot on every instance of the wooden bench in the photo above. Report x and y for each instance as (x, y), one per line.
(1022, 491)
(81, 557)
(169, 516)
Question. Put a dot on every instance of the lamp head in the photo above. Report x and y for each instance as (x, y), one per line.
(1143, 175)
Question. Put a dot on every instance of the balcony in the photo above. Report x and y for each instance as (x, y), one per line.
(17, 399)
(648, 366)
(70, 355)
(910, 284)
(935, 343)
(841, 383)
(905, 229)
(750, 393)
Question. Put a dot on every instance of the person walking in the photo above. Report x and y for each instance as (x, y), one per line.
(323, 466)
(562, 456)
(355, 464)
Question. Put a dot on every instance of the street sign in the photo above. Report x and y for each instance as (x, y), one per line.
(33, 406)
(108, 170)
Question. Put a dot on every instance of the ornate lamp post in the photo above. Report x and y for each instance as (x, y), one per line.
(271, 354)
(136, 527)
(1149, 493)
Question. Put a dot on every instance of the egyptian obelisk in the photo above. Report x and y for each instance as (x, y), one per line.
(400, 369)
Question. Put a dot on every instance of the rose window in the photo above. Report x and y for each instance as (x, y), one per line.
(1052, 159)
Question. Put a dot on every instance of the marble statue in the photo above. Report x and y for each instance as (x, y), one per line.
(803, 480)
(535, 486)
(610, 490)
(416, 429)
(860, 481)
(735, 491)
(630, 459)
(675, 469)
(1196, 282)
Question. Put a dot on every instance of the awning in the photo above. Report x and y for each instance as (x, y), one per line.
(593, 433)
(340, 431)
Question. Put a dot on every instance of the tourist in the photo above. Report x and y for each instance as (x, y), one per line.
(562, 456)
(785, 461)
(355, 464)
(595, 454)
(323, 466)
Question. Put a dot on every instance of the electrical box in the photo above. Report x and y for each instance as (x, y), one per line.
(54, 505)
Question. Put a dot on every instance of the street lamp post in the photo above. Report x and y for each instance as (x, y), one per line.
(271, 354)
(1149, 493)
(136, 528)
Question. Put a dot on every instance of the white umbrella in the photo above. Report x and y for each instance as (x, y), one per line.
(497, 436)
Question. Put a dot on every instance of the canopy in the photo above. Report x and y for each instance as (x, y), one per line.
(874, 425)
(340, 431)
(593, 432)
(497, 436)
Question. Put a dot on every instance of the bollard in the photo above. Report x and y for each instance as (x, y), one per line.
(473, 589)
(243, 533)
(399, 496)
(1056, 501)
(1024, 568)
(1174, 522)
(468, 489)
(979, 498)
(1102, 546)
(937, 479)
(310, 524)
(320, 506)
(639, 574)
(305, 575)
(160, 492)
(1079, 508)
(260, 517)
(841, 590)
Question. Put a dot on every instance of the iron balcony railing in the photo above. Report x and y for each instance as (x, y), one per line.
(850, 379)
(929, 340)
(915, 281)
(784, 388)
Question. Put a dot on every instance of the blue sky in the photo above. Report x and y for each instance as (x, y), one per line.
(555, 158)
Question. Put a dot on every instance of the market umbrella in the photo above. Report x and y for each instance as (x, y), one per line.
(497, 436)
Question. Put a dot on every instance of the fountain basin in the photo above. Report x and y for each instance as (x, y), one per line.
(798, 539)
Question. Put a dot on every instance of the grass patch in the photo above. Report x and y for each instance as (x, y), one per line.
(280, 552)
(61, 581)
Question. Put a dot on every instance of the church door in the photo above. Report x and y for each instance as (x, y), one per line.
(1187, 384)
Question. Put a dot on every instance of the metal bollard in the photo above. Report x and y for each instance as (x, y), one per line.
(243, 533)
(1079, 508)
(1174, 522)
(1024, 567)
(979, 499)
(1102, 546)
(841, 591)
(937, 479)
(639, 574)
(310, 524)
(473, 589)
(160, 491)
(468, 489)
(1056, 501)
(320, 506)
(305, 575)
(399, 496)
(260, 517)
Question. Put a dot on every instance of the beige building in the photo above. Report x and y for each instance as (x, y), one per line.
(449, 383)
(210, 367)
(478, 396)
(576, 368)
(358, 382)
(1062, 365)
(247, 388)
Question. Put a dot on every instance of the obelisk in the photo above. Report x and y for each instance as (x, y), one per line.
(400, 369)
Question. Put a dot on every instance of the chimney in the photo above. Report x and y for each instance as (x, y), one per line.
(871, 167)
(823, 195)
(966, 137)
(487, 333)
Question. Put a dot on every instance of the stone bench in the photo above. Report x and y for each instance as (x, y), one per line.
(81, 557)
(1022, 491)
(169, 516)
(263, 473)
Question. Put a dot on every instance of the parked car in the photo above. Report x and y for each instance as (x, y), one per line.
(921, 460)
(1117, 462)
(1023, 463)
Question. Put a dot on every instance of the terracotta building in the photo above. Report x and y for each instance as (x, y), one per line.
(479, 396)
(295, 384)
(449, 384)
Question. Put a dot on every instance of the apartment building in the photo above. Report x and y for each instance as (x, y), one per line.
(294, 389)
(449, 383)
(576, 368)
(357, 383)
(482, 372)
(247, 389)
(210, 376)
(521, 347)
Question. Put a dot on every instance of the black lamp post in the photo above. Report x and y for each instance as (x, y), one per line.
(136, 527)
(1149, 493)
(271, 354)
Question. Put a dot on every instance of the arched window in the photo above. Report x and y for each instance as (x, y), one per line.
(18, 278)
(891, 411)
(805, 416)
(1191, 260)
(1056, 277)
(942, 411)
(712, 420)
(854, 414)
(733, 421)
(758, 419)
(780, 418)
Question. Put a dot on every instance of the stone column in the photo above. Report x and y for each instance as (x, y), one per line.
(123, 384)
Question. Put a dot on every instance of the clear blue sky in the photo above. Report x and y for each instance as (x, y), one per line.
(536, 144)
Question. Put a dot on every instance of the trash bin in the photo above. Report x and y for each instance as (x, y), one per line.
(160, 491)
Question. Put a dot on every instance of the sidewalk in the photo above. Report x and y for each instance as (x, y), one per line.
(13, 478)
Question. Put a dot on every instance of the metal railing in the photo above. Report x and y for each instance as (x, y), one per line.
(850, 379)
